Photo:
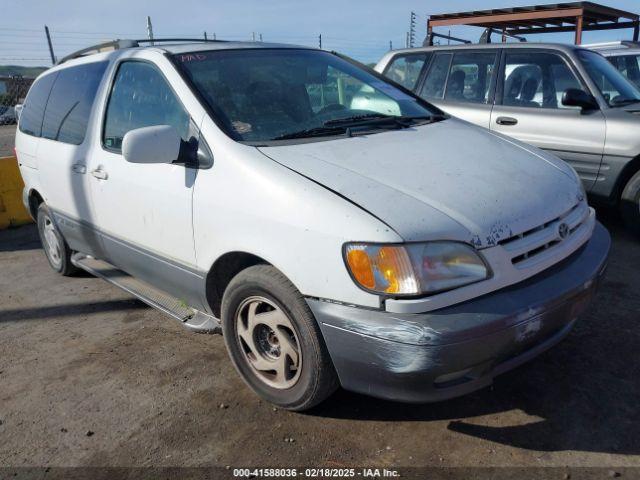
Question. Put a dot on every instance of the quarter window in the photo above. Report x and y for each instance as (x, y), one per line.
(537, 80)
(70, 102)
(405, 69)
(34, 105)
(141, 97)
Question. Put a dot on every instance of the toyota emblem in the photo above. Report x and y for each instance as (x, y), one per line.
(563, 231)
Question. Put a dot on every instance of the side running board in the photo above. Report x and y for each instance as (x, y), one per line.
(191, 318)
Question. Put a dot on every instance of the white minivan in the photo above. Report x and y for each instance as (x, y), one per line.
(337, 229)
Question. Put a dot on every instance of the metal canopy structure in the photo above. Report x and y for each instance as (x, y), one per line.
(559, 17)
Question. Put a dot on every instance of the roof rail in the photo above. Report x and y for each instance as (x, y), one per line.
(121, 44)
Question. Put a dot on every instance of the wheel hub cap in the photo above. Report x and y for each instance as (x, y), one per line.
(52, 244)
(269, 342)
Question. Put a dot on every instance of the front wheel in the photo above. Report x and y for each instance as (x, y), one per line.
(630, 204)
(274, 341)
(55, 248)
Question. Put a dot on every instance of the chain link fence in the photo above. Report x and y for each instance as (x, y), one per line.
(13, 90)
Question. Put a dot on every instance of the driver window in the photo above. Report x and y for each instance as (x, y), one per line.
(537, 80)
(141, 97)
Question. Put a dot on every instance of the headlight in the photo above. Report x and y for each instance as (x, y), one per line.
(414, 269)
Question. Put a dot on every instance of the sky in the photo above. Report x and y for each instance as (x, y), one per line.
(361, 29)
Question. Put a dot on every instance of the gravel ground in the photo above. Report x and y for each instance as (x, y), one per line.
(7, 137)
(91, 377)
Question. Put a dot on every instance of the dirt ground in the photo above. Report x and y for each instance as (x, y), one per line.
(91, 377)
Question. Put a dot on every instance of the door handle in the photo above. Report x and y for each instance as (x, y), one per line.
(100, 174)
(509, 121)
(79, 168)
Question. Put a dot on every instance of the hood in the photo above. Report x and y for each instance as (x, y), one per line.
(444, 181)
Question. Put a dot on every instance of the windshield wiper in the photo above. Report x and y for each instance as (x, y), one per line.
(312, 132)
(382, 119)
(341, 126)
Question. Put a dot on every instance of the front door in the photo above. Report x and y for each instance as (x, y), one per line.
(143, 211)
(529, 108)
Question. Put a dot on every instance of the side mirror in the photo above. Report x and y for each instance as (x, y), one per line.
(157, 144)
(18, 109)
(574, 97)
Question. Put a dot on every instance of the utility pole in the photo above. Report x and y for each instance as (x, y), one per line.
(53, 57)
(214, 35)
(253, 36)
(320, 40)
(390, 45)
(406, 40)
(150, 30)
(260, 37)
(205, 36)
(412, 31)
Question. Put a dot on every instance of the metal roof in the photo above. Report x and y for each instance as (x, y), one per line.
(551, 18)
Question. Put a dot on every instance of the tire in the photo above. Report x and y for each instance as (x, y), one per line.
(55, 247)
(630, 204)
(302, 375)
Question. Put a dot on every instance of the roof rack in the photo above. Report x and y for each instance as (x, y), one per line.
(122, 44)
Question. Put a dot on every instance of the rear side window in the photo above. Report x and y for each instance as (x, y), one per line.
(34, 105)
(436, 80)
(67, 113)
(470, 77)
(405, 69)
(141, 97)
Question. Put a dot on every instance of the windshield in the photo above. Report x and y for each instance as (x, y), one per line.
(271, 94)
(616, 89)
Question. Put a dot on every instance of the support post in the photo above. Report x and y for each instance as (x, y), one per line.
(578, 40)
(636, 30)
(428, 42)
(53, 57)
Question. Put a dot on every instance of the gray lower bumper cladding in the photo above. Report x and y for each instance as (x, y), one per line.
(456, 350)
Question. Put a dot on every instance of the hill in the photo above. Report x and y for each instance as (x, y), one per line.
(29, 72)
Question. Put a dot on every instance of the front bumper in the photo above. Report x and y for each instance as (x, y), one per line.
(456, 350)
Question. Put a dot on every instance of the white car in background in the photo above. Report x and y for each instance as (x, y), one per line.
(7, 116)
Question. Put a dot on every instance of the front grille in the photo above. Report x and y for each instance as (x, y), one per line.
(527, 247)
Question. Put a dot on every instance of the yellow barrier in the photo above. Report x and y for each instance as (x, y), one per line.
(12, 211)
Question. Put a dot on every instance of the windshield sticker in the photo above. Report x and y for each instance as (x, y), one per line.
(192, 57)
(391, 91)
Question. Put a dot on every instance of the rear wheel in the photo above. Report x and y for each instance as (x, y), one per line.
(630, 204)
(274, 341)
(55, 248)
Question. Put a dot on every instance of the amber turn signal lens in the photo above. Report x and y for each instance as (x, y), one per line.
(361, 267)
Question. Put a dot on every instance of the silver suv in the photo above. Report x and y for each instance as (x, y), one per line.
(567, 100)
